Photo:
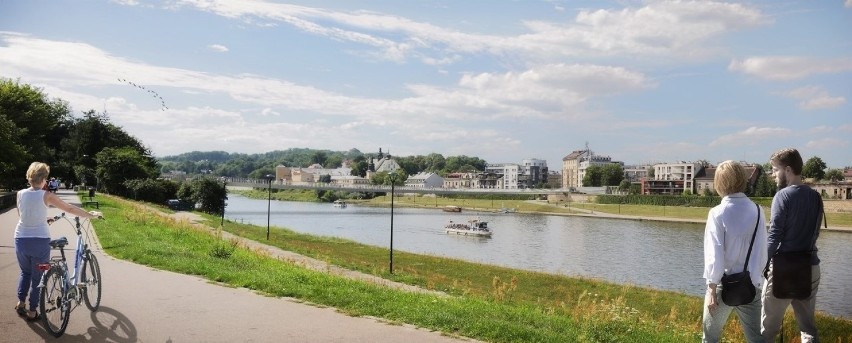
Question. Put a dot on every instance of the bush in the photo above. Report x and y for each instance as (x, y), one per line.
(209, 193)
(151, 190)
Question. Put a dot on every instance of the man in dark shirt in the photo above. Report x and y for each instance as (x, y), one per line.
(794, 226)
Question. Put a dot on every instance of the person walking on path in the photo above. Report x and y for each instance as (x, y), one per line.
(32, 235)
(727, 243)
(794, 226)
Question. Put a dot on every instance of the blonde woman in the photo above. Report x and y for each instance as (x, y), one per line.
(727, 236)
(32, 235)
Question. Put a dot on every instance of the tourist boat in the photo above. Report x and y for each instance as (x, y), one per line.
(474, 227)
(339, 204)
(452, 208)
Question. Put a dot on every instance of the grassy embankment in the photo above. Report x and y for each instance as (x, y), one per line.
(693, 213)
(487, 303)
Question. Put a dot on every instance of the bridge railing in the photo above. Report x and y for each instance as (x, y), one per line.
(282, 184)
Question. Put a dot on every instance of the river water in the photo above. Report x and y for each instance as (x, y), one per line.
(661, 255)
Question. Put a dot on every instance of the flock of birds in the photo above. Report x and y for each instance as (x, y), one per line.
(152, 92)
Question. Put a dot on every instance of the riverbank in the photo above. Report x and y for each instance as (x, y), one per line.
(485, 302)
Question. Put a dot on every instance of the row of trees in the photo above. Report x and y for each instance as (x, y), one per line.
(87, 150)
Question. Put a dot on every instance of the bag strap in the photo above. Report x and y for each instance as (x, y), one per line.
(751, 245)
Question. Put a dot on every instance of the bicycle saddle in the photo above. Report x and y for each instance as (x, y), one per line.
(61, 242)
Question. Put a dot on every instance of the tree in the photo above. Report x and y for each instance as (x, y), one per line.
(28, 129)
(765, 186)
(624, 186)
(593, 176)
(814, 168)
(651, 172)
(117, 165)
(834, 175)
(612, 174)
(206, 192)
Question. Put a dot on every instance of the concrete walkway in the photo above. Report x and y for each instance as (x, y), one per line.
(141, 304)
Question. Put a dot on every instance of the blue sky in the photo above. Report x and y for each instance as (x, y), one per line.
(640, 81)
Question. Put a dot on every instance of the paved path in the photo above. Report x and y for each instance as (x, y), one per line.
(141, 304)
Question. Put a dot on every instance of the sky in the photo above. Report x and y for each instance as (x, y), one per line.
(639, 81)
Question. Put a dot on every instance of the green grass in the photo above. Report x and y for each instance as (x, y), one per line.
(488, 303)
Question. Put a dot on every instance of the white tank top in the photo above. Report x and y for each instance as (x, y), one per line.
(33, 221)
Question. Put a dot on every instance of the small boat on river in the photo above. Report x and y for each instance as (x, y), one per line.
(452, 208)
(339, 204)
(474, 227)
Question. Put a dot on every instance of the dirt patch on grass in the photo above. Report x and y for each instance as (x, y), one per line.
(838, 206)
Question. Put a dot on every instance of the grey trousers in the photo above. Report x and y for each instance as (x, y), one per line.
(773, 310)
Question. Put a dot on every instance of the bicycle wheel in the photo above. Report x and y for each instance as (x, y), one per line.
(91, 279)
(54, 305)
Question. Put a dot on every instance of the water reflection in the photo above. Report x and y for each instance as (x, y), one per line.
(660, 255)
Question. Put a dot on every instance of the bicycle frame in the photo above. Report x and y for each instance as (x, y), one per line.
(72, 281)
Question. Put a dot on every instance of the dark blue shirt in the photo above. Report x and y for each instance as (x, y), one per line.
(794, 221)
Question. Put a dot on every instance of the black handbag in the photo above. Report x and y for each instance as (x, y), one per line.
(791, 275)
(737, 289)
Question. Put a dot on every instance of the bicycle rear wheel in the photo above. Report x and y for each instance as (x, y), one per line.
(91, 278)
(54, 305)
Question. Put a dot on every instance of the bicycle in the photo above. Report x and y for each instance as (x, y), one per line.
(61, 293)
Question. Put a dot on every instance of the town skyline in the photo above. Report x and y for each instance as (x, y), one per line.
(642, 81)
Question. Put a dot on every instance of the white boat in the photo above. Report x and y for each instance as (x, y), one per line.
(474, 227)
(339, 204)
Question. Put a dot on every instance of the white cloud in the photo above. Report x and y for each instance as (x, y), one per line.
(682, 28)
(815, 98)
(751, 136)
(269, 112)
(218, 48)
(789, 67)
(827, 143)
(848, 4)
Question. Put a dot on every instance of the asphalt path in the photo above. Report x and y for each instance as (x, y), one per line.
(142, 304)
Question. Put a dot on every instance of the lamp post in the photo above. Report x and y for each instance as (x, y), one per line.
(393, 182)
(224, 197)
(269, 179)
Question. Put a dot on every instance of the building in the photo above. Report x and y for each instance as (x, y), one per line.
(532, 172)
(570, 169)
(511, 173)
(672, 178)
(474, 180)
(425, 180)
(381, 163)
(704, 184)
(584, 162)
(635, 173)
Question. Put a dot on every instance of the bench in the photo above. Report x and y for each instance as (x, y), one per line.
(91, 201)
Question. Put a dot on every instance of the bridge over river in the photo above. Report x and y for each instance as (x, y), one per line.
(263, 183)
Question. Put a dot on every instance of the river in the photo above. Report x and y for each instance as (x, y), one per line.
(661, 255)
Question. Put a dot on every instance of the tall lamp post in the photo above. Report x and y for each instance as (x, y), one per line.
(269, 178)
(224, 198)
(393, 181)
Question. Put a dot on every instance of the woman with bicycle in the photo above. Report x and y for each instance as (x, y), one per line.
(32, 235)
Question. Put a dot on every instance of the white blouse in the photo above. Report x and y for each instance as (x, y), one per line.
(727, 235)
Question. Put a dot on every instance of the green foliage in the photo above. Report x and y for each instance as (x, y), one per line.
(398, 178)
(593, 176)
(117, 165)
(30, 129)
(834, 175)
(765, 186)
(686, 200)
(814, 168)
(152, 190)
(208, 192)
(612, 174)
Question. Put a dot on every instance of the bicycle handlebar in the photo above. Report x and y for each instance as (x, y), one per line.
(97, 214)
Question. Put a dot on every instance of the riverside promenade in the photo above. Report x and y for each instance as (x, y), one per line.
(142, 304)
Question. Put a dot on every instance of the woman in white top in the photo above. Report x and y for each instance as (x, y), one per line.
(727, 235)
(32, 235)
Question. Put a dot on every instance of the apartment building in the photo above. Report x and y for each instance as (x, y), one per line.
(672, 178)
(511, 173)
(425, 180)
(570, 169)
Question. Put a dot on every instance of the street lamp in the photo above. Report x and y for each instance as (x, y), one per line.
(269, 178)
(393, 181)
(224, 197)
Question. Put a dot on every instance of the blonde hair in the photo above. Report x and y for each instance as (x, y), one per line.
(37, 172)
(730, 178)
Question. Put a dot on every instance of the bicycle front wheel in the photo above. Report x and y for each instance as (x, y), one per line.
(91, 279)
(54, 304)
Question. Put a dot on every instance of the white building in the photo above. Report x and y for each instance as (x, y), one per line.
(510, 172)
(682, 173)
(591, 160)
(425, 180)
